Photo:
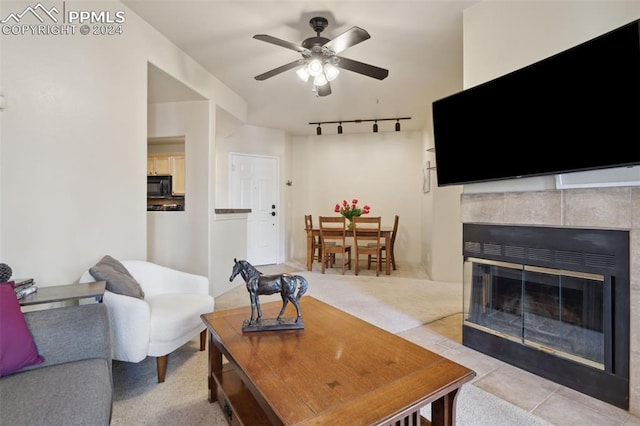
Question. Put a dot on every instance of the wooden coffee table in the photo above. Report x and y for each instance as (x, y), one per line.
(339, 369)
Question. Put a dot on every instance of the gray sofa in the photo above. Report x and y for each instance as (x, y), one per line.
(74, 385)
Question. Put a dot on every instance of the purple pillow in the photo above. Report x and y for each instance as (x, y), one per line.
(17, 348)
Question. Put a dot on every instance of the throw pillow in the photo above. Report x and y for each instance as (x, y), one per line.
(118, 279)
(17, 348)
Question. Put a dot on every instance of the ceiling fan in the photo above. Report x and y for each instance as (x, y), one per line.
(320, 58)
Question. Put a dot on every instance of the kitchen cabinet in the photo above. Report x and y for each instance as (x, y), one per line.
(178, 173)
(158, 164)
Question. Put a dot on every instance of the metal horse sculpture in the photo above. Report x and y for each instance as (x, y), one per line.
(258, 284)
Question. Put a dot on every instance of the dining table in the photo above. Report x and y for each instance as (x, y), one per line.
(385, 233)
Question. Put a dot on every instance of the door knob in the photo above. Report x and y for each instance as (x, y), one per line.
(273, 213)
(273, 206)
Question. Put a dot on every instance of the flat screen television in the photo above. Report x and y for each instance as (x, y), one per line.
(574, 111)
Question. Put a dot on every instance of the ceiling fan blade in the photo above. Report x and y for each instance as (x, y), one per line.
(362, 68)
(279, 70)
(280, 42)
(349, 38)
(324, 90)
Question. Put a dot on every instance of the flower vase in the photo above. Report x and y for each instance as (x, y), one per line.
(350, 225)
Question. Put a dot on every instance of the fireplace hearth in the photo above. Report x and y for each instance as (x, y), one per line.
(553, 301)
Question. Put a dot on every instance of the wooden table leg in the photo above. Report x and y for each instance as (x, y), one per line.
(443, 410)
(309, 250)
(215, 364)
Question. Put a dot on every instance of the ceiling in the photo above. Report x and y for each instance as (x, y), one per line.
(418, 41)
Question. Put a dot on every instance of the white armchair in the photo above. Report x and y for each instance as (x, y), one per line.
(166, 318)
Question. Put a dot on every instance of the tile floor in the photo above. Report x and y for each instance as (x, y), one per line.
(558, 405)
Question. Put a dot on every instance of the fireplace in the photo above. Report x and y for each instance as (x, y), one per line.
(553, 301)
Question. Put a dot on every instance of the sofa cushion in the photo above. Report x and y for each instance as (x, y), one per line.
(118, 279)
(17, 348)
(74, 393)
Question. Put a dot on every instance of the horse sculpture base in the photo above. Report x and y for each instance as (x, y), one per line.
(267, 324)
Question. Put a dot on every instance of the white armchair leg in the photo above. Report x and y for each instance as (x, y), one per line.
(161, 362)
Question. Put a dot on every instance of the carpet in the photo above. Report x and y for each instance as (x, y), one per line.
(387, 302)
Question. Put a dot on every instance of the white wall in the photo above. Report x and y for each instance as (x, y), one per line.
(231, 242)
(383, 170)
(258, 141)
(442, 227)
(500, 37)
(176, 239)
(245, 140)
(73, 142)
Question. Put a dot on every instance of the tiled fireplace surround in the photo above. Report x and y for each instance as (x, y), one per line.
(604, 208)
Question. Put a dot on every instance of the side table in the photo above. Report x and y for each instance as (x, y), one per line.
(61, 293)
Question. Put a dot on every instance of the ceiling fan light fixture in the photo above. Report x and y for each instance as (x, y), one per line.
(303, 73)
(320, 80)
(331, 71)
(319, 56)
(314, 67)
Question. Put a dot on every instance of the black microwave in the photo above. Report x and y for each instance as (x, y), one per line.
(158, 186)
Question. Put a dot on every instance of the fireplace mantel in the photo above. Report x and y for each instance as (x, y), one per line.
(605, 208)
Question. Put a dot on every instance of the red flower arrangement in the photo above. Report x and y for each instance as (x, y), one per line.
(350, 210)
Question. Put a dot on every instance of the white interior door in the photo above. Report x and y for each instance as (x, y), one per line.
(253, 185)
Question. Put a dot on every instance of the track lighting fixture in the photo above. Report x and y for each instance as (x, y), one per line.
(375, 123)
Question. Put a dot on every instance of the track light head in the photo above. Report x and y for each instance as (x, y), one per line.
(397, 125)
(318, 130)
(375, 127)
(340, 128)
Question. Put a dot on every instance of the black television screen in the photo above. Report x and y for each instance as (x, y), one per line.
(574, 111)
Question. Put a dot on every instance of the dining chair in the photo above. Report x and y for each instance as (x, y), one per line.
(333, 229)
(316, 245)
(387, 252)
(366, 236)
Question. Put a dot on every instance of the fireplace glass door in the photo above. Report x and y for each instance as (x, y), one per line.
(555, 311)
